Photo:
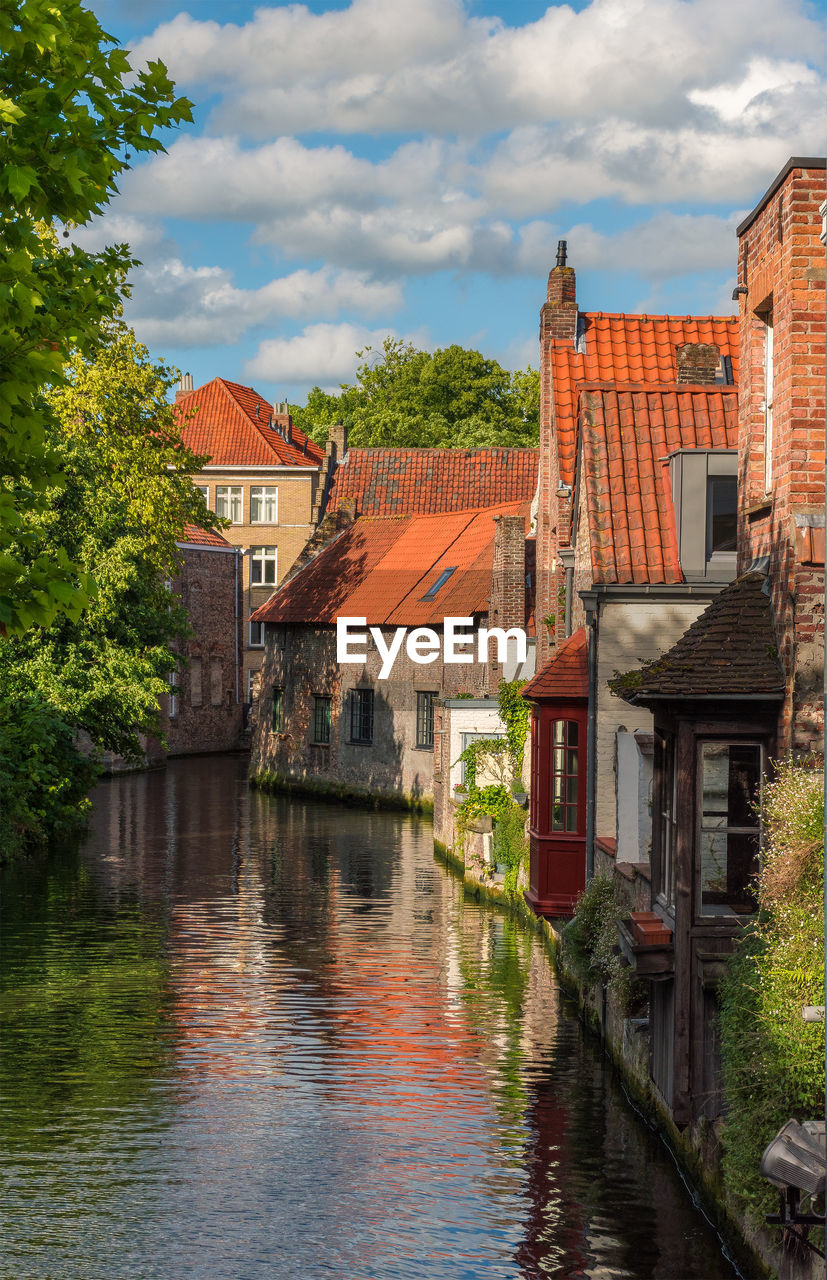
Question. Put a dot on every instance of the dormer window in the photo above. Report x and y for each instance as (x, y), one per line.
(705, 499)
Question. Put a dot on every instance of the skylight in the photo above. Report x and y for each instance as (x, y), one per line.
(440, 582)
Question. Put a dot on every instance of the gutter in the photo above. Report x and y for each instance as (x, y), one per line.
(593, 623)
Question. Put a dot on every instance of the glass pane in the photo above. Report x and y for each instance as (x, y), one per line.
(571, 791)
(573, 732)
(559, 760)
(722, 504)
(571, 761)
(715, 784)
(571, 817)
(744, 778)
(728, 863)
(558, 732)
(557, 817)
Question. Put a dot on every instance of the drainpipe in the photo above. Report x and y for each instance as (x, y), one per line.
(592, 622)
(237, 636)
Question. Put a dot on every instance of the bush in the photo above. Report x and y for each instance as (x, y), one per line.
(773, 1062)
(510, 846)
(43, 777)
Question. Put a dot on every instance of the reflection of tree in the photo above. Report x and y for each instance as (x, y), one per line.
(83, 1017)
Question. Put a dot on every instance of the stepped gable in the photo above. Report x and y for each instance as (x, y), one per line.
(424, 481)
(566, 675)
(728, 652)
(193, 533)
(381, 567)
(627, 433)
(232, 426)
(625, 348)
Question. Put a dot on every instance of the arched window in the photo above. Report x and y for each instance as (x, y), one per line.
(565, 775)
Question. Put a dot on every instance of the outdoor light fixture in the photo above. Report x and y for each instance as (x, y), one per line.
(796, 1162)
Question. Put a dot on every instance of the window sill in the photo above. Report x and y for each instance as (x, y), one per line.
(758, 509)
(361, 742)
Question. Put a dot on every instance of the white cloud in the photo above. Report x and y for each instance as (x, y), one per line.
(323, 354)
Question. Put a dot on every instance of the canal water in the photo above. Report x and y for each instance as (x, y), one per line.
(250, 1037)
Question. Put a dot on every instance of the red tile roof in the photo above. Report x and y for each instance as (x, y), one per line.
(624, 348)
(566, 675)
(412, 481)
(230, 423)
(194, 533)
(380, 567)
(627, 433)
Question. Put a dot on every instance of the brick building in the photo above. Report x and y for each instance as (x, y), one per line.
(344, 727)
(578, 347)
(266, 477)
(205, 714)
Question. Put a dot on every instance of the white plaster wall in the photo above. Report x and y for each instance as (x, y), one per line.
(469, 719)
(634, 796)
(629, 634)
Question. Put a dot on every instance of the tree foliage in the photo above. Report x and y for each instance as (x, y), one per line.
(70, 110)
(125, 498)
(450, 398)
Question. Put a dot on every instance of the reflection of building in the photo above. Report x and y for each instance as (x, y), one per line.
(264, 475)
(744, 682)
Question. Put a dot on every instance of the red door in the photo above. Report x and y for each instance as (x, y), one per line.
(557, 831)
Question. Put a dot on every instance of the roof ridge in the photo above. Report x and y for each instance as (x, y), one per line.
(646, 316)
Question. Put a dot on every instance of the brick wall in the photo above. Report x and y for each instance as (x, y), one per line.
(781, 263)
(208, 708)
(508, 579)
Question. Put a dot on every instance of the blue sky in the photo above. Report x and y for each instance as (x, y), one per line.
(368, 168)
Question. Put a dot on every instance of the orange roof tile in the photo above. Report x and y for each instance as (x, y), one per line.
(230, 423)
(403, 481)
(625, 348)
(627, 432)
(194, 533)
(380, 567)
(566, 675)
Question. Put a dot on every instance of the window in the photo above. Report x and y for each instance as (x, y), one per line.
(668, 822)
(565, 779)
(204, 490)
(721, 514)
(263, 566)
(361, 715)
(425, 719)
(321, 719)
(196, 693)
(252, 685)
(256, 635)
(228, 502)
(278, 711)
(440, 582)
(263, 504)
(173, 695)
(768, 398)
(730, 779)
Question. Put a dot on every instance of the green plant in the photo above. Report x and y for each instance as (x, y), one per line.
(510, 846)
(773, 1062)
(515, 713)
(590, 943)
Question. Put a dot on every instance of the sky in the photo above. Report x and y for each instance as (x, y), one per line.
(406, 167)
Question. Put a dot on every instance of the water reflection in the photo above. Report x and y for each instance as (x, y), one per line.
(247, 1036)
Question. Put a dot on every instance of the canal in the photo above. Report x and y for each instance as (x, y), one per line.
(251, 1037)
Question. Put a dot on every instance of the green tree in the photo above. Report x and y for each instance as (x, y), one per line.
(452, 398)
(70, 111)
(125, 498)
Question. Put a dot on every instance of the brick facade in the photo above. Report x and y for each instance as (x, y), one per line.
(781, 274)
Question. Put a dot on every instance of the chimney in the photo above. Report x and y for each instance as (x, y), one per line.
(559, 314)
(336, 447)
(282, 421)
(699, 362)
(184, 386)
(507, 601)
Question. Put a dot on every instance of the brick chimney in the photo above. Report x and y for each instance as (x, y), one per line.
(336, 447)
(558, 317)
(507, 601)
(184, 386)
(698, 362)
(282, 421)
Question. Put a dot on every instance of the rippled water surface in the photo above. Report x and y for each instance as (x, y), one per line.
(250, 1037)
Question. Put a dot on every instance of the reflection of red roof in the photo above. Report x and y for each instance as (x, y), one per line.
(194, 533)
(623, 348)
(627, 433)
(566, 675)
(231, 425)
(382, 566)
(419, 481)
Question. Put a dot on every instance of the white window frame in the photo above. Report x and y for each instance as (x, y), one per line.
(256, 644)
(228, 495)
(769, 361)
(172, 708)
(260, 558)
(251, 679)
(205, 490)
(261, 494)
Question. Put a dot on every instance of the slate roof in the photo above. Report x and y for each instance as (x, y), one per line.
(566, 675)
(627, 432)
(624, 348)
(728, 652)
(380, 567)
(231, 424)
(411, 481)
(194, 533)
